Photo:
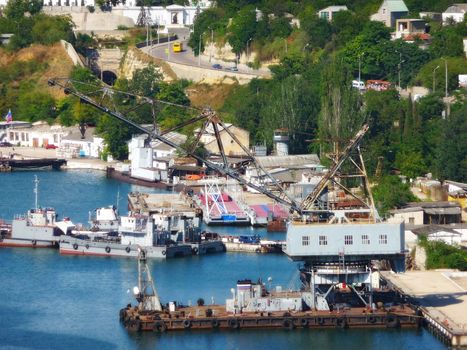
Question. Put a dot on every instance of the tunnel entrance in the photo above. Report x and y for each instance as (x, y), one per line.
(108, 77)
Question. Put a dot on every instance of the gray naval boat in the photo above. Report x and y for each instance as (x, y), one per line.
(39, 228)
(161, 235)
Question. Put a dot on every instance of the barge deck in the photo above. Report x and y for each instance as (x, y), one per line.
(215, 317)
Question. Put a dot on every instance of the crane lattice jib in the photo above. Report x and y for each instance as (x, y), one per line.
(222, 170)
(314, 195)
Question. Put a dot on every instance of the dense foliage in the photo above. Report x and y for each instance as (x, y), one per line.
(23, 19)
(440, 255)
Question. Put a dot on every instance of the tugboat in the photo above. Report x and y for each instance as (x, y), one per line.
(251, 306)
(39, 228)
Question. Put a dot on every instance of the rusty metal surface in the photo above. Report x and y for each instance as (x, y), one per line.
(199, 317)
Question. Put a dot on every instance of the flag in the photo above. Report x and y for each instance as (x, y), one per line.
(9, 117)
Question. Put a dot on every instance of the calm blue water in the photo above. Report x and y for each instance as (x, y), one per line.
(52, 302)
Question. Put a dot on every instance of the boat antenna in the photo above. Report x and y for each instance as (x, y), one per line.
(36, 190)
(118, 197)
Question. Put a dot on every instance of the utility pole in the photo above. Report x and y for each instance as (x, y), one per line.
(168, 46)
(247, 49)
(434, 78)
(360, 68)
(399, 70)
(199, 51)
(446, 75)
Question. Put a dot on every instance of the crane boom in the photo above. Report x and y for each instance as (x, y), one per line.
(309, 201)
(159, 136)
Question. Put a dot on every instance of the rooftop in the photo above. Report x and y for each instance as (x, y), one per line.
(456, 8)
(288, 161)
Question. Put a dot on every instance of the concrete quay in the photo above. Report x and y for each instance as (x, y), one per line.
(442, 297)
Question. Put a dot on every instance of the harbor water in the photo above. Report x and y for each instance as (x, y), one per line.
(48, 301)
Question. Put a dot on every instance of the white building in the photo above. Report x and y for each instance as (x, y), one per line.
(455, 12)
(74, 146)
(329, 11)
(39, 134)
(171, 16)
(151, 162)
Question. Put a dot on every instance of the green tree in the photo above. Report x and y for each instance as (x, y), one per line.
(16, 9)
(146, 81)
(50, 29)
(452, 150)
(456, 66)
(448, 40)
(36, 105)
(243, 28)
(391, 193)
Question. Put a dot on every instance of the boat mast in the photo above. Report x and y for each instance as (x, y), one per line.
(36, 190)
(147, 294)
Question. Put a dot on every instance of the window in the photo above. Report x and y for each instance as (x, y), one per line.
(383, 239)
(323, 240)
(365, 239)
(55, 138)
(305, 240)
(348, 239)
(23, 138)
(411, 220)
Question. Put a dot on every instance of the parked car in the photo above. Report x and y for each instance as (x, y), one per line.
(50, 146)
(5, 144)
(217, 66)
(232, 69)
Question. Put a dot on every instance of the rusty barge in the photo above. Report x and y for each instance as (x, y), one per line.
(253, 306)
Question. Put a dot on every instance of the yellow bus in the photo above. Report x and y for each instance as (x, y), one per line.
(177, 46)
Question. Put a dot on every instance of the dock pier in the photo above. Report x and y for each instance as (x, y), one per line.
(442, 299)
(12, 163)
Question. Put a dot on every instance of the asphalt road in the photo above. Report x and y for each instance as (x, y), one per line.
(165, 52)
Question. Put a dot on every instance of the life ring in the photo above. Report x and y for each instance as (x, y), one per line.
(215, 323)
(194, 250)
(304, 322)
(75, 246)
(187, 324)
(371, 319)
(134, 325)
(87, 246)
(163, 252)
(288, 324)
(341, 323)
(257, 250)
(392, 321)
(233, 323)
(159, 327)
(107, 249)
(320, 321)
(128, 249)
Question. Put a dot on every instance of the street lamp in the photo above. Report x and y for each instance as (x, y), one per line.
(446, 75)
(304, 47)
(212, 43)
(434, 78)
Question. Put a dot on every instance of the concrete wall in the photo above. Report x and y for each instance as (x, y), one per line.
(209, 76)
(70, 50)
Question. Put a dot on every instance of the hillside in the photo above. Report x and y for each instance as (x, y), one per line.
(32, 67)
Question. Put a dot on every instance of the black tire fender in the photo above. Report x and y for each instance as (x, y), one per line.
(128, 249)
(215, 323)
(304, 322)
(288, 323)
(107, 249)
(159, 327)
(233, 323)
(75, 246)
(187, 324)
